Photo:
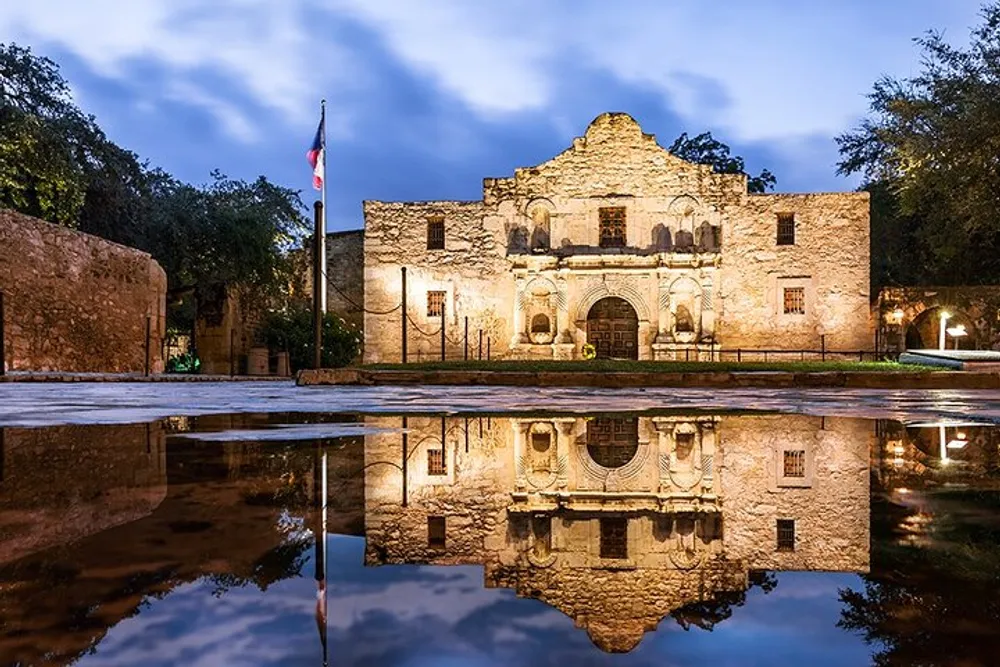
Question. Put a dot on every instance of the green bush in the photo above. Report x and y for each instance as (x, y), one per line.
(292, 330)
(183, 363)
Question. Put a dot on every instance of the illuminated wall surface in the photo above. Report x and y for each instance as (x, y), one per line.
(617, 522)
(699, 263)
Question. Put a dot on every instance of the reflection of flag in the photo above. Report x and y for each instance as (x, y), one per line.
(317, 154)
(321, 615)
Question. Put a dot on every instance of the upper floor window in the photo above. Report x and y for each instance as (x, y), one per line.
(614, 538)
(435, 303)
(795, 463)
(612, 226)
(435, 462)
(786, 229)
(795, 300)
(435, 233)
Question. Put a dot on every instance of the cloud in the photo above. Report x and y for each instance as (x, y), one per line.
(263, 49)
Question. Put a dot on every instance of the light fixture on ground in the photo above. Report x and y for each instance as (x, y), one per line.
(957, 332)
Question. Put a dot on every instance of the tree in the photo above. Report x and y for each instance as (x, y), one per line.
(704, 149)
(931, 148)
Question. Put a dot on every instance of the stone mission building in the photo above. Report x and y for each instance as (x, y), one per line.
(617, 243)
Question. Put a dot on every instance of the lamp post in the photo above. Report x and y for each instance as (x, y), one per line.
(942, 327)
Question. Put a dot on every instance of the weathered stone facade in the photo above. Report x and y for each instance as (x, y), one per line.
(691, 262)
(75, 302)
(618, 522)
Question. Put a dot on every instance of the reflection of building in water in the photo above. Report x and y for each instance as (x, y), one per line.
(920, 453)
(618, 521)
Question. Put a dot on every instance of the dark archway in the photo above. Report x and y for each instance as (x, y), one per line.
(612, 442)
(922, 333)
(613, 329)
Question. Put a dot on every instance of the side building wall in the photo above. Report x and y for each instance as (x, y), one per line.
(75, 302)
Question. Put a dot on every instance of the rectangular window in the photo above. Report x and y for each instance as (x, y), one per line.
(614, 538)
(435, 303)
(795, 300)
(612, 229)
(435, 234)
(786, 535)
(786, 229)
(435, 532)
(795, 463)
(435, 462)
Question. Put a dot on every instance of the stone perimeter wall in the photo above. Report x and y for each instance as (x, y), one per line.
(75, 302)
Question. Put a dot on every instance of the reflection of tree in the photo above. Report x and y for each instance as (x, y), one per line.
(283, 562)
(708, 613)
(930, 605)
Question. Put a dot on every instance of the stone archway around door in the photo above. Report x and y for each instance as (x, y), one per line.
(613, 329)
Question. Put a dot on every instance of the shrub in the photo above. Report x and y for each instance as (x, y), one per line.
(183, 363)
(292, 330)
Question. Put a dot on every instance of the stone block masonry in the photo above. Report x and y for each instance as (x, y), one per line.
(77, 303)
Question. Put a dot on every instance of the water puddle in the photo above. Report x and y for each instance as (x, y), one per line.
(531, 537)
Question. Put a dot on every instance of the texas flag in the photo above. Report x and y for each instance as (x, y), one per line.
(317, 155)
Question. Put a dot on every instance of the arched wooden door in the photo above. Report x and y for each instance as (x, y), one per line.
(613, 329)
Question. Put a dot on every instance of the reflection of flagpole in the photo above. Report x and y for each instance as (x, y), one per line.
(319, 498)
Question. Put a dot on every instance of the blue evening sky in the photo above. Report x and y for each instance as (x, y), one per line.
(426, 97)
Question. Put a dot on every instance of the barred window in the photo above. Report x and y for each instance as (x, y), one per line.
(614, 538)
(435, 233)
(435, 532)
(786, 535)
(435, 462)
(786, 229)
(795, 300)
(435, 303)
(795, 463)
(612, 227)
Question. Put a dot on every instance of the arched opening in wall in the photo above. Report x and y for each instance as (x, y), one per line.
(923, 332)
(541, 449)
(613, 329)
(684, 241)
(540, 228)
(662, 241)
(540, 324)
(707, 237)
(683, 322)
(612, 442)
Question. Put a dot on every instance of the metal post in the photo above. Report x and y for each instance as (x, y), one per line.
(405, 457)
(488, 341)
(232, 352)
(466, 338)
(822, 343)
(403, 272)
(739, 355)
(317, 285)
(442, 331)
(146, 363)
(480, 345)
(3, 340)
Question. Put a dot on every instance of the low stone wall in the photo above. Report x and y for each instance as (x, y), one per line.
(75, 302)
(708, 379)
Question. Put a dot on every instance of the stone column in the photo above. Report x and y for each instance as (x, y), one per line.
(562, 312)
(708, 309)
(563, 435)
(663, 452)
(663, 312)
(520, 454)
(520, 335)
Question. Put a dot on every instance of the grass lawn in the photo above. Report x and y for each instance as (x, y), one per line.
(627, 366)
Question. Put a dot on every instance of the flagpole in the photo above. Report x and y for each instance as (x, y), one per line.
(322, 241)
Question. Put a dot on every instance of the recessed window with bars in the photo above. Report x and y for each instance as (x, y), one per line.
(795, 463)
(795, 300)
(614, 538)
(435, 234)
(435, 462)
(435, 303)
(612, 226)
(786, 229)
(435, 532)
(786, 535)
